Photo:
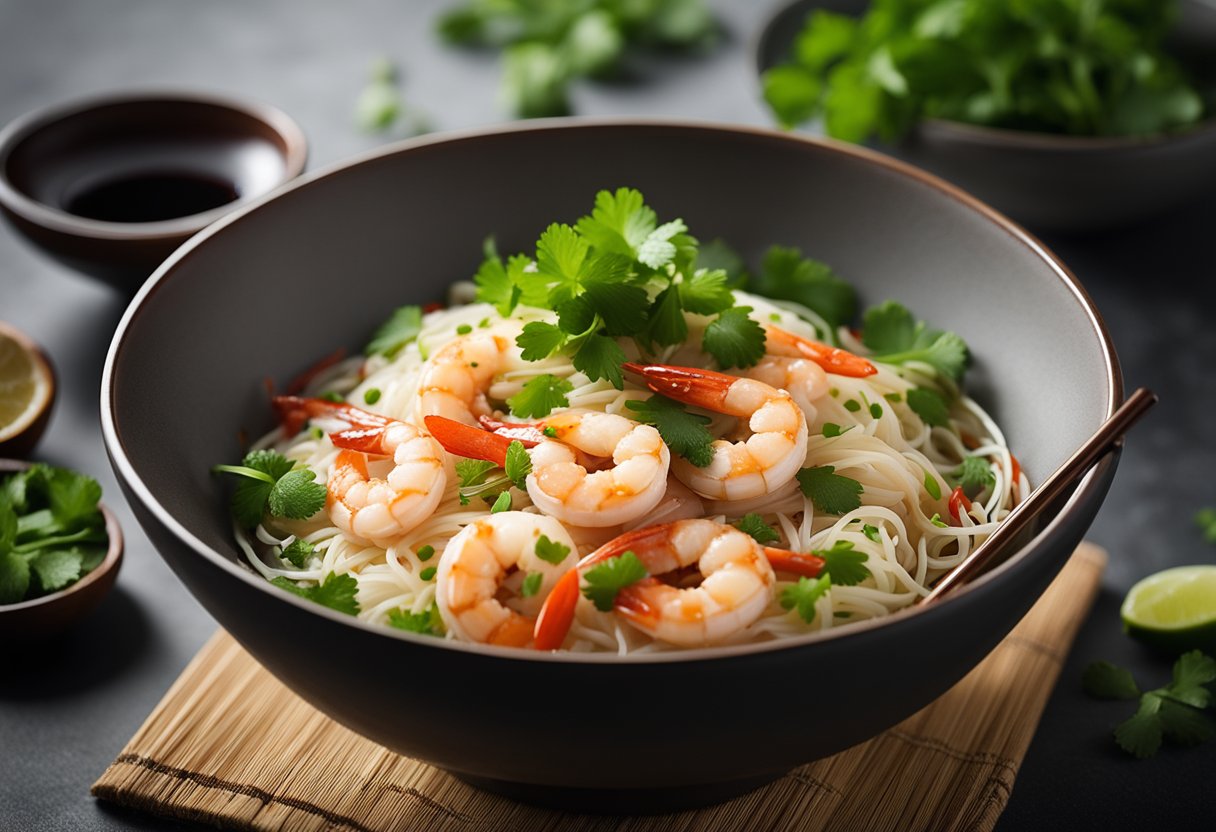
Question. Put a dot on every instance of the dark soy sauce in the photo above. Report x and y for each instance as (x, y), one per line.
(151, 197)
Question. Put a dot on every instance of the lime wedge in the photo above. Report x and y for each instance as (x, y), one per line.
(27, 387)
(1174, 610)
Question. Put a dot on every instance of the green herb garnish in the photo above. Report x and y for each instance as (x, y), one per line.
(428, 622)
(551, 551)
(271, 483)
(540, 397)
(610, 577)
(335, 591)
(685, 433)
(831, 493)
(896, 337)
(754, 525)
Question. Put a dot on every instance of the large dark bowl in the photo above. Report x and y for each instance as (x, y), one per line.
(267, 290)
(1052, 181)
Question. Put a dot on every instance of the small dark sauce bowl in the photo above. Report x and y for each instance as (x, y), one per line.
(111, 185)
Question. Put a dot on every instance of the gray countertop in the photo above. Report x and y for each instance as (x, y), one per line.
(66, 711)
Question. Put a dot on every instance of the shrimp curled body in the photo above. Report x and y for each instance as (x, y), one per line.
(477, 565)
(736, 581)
(456, 378)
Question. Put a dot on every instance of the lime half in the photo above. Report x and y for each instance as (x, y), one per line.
(1174, 610)
(27, 388)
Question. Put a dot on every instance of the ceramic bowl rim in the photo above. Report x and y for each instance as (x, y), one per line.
(127, 473)
(114, 552)
(294, 155)
(983, 135)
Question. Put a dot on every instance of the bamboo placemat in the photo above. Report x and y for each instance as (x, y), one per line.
(230, 746)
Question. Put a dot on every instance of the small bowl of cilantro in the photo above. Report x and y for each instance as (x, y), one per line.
(60, 549)
(1065, 114)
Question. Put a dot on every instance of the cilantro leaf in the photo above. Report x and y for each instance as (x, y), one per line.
(551, 551)
(804, 594)
(601, 357)
(974, 475)
(1184, 724)
(1205, 518)
(1140, 735)
(73, 498)
(495, 287)
(401, 328)
(786, 275)
(472, 472)
(620, 222)
(604, 581)
(540, 396)
(518, 464)
(298, 553)
(539, 340)
(831, 493)
(685, 433)
(844, 563)
(706, 292)
(1192, 671)
(561, 253)
(56, 568)
(8, 524)
(501, 503)
(14, 577)
(621, 307)
(871, 532)
(531, 584)
(793, 94)
(428, 622)
(296, 496)
(898, 338)
(657, 250)
(667, 325)
(734, 339)
(534, 80)
(929, 406)
(717, 255)
(335, 591)
(268, 482)
(754, 525)
(1107, 681)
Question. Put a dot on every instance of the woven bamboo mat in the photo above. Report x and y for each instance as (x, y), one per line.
(230, 746)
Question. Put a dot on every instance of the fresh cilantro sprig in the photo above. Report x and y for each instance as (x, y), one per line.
(475, 481)
(52, 532)
(896, 337)
(974, 475)
(786, 275)
(604, 581)
(616, 273)
(830, 492)
(271, 483)
(685, 433)
(1175, 711)
(428, 622)
(540, 396)
(298, 553)
(843, 565)
(754, 525)
(547, 46)
(335, 591)
(400, 329)
(930, 406)
(1053, 66)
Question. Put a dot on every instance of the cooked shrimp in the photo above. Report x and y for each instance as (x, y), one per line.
(455, 379)
(736, 584)
(375, 500)
(778, 341)
(560, 483)
(760, 464)
(805, 380)
(475, 568)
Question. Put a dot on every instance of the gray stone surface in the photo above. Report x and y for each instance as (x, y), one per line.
(65, 712)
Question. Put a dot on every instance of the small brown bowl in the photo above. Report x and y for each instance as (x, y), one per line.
(42, 618)
(111, 185)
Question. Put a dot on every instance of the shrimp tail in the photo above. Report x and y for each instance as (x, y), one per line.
(702, 388)
(832, 359)
(808, 566)
(647, 539)
(467, 441)
(365, 429)
(530, 434)
(633, 603)
(557, 613)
